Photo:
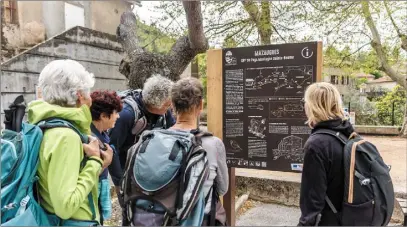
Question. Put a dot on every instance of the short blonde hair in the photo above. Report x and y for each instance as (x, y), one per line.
(323, 102)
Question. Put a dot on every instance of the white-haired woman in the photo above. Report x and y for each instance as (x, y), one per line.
(323, 171)
(68, 182)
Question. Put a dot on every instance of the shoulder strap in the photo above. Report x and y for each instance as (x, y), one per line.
(62, 123)
(333, 133)
(334, 210)
(215, 197)
(198, 135)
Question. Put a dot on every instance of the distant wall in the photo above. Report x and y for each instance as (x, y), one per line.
(377, 130)
(99, 52)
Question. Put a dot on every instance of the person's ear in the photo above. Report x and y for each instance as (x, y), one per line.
(104, 115)
(201, 104)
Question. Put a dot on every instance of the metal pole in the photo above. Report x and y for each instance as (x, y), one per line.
(392, 114)
(349, 107)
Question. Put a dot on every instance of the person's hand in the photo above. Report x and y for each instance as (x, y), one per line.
(107, 156)
(92, 149)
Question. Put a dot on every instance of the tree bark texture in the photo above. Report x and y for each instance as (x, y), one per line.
(261, 18)
(139, 64)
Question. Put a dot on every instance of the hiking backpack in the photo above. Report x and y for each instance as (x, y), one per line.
(20, 147)
(140, 120)
(368, 189)
(164, 175)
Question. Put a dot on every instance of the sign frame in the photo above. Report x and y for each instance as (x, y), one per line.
(215, 115)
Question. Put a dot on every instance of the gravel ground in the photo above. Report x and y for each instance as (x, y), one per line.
(269, 215)
(273, 215)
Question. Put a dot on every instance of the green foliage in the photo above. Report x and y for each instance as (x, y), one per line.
(377, 74)
(229, 42)
(385, 106)
(360, 81)
(153, 39)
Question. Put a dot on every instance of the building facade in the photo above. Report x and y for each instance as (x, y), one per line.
(27, 23)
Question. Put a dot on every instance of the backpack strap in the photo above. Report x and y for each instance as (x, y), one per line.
(198, 135)
(340, 136)
(62, 123)
(215, 197)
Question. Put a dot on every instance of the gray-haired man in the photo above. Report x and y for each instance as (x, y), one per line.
(143, 109)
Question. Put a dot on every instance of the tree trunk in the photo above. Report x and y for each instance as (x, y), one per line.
(261, 18)
(139, 64)
(403, 132)
(378, 47)
(381, 54)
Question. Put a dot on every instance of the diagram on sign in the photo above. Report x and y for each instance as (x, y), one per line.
(257, 127)
(278, 81)
(291, 148)
(256, 107)
(292, 109)
(235, 146)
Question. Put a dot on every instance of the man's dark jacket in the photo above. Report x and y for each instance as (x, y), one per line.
(122, 138)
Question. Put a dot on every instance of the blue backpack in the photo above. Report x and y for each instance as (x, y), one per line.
(20, 146)
(163, 180)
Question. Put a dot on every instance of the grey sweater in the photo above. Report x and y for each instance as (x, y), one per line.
(218, 169)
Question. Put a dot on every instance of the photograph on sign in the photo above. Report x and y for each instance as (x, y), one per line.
(263, 112)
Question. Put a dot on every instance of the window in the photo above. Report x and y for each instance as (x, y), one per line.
(74, 16)
(10, 12)
(334, 79)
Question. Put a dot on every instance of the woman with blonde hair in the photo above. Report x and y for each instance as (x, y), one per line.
(323, 171)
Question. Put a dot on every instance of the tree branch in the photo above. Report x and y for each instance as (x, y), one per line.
(196, 33)
(265, 23)
(260, 18)
(402, 36)
(275, 29)
(252, 9)
(348, 55)
(378, 47)
(127, 34)
(139, 65)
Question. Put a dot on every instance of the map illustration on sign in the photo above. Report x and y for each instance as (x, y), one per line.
(281, 80)
(263, 112)
(280, 109)
(291, 148)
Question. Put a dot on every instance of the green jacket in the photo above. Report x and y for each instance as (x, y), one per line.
(63, 189)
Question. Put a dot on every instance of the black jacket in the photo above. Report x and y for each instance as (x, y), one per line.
(323, 174)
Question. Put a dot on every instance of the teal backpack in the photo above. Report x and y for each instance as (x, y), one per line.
(20, 146)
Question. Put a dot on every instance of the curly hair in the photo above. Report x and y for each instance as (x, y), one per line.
(186, 94)
(157, 90)
(104, 102)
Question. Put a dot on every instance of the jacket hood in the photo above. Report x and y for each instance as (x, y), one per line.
(338, 125)
(81, 117)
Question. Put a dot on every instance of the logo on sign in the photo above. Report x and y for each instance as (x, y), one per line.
(230, 60)
(306, 52)
(297, 167)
